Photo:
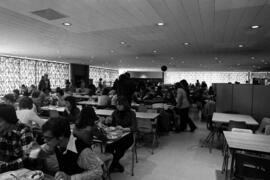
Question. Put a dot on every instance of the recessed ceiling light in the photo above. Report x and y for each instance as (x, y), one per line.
(255, 27)
(161, 24)
(67, 24)
(122, 42)
(240, 45)
(186, 43)
(154, 51)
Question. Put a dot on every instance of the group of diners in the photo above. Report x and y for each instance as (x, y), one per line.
(23, 130)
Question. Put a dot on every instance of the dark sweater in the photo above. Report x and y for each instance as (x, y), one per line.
(126, 119)
(68, 161)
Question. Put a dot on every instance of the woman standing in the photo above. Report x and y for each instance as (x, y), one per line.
(183, 104)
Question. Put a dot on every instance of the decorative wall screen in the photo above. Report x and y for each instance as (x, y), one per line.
(107, 75)
(17, 71)
(208, 77)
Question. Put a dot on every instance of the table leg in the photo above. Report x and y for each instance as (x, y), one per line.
(232, 164)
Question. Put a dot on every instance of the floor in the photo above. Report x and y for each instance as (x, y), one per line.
(178, 157)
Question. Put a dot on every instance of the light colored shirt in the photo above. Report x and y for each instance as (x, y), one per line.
(181, 99)
(104, 100)
(28, 116)
(88, 160)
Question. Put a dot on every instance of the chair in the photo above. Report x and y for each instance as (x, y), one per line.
(146, 126)
(251, 166)
(237, 124)
(107, 159)
(53, 114)
(242, 130)
(142, 108)
(267, 130)
(134, 152)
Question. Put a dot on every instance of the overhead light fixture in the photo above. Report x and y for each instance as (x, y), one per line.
(161, 24)
(240, 45)
(255, 27)
(186, 43)
(122, 42)
(154, 51)
(67, 24)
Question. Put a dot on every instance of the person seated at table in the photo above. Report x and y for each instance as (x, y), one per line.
(37, 100)
(83, 90)
(104, 99)
(71, 112)
(24, 90)
(85, 126)
(16, 93)
(10, 100)
(124, 117)
(15, 140)
(45, 97)
(75, 159)
(60, 97)
(26, 113)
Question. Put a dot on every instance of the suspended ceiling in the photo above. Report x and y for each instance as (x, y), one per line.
(124, 33)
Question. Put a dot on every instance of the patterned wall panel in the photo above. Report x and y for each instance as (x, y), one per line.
(108, 75)
(9, 74)
(17, 71)
(208, 77)
(27, 72)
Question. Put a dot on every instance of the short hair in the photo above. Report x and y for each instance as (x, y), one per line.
(60, 91)
(26, 103)
(57, 126)
(10, 97)
(87, 118)
(106, 91)
(16, 91)
(8, 113)
(72, 102)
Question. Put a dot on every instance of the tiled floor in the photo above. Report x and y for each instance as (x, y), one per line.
(179, 157)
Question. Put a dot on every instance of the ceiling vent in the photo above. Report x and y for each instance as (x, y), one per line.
(49, 14)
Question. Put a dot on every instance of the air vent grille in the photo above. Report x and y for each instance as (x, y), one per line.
(49, 14)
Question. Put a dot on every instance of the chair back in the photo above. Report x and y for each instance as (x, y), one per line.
(144, 125)
(142, 108)
(237, 124)
(242, 130)
(53, 114)
(267, 130)
(251, 166)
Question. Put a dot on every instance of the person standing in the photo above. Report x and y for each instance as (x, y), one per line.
(44, 83)
(183, 104)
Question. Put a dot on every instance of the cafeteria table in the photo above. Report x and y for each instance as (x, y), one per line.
(258, 143)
